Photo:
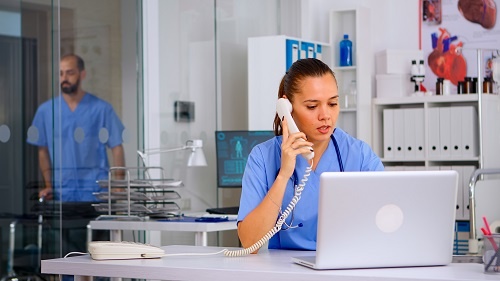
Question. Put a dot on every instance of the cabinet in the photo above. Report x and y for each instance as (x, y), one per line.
(457, 132)
(354, 119)
(269, 58)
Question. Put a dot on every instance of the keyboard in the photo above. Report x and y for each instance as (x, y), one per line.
(224, 210)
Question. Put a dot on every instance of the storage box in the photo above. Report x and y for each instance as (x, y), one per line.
(396, 61)
(394, 85)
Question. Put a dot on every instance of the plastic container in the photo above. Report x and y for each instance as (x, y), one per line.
(491, 253)
(346, 51)
(353, 91)
(446, 87)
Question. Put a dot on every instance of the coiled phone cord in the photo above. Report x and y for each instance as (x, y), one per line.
(298, 191)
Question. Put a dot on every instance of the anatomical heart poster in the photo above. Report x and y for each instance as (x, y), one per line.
(452, 31)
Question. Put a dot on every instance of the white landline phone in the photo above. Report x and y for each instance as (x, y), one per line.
(284, 108)
(100, 250)
(123, 250)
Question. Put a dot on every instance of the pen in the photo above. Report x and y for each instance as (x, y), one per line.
(492, 241)
(487, 226)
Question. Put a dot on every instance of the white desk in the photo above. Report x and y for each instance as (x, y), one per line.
(266, 265)
(200, 228)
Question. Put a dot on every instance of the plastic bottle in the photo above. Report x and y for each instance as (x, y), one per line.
(414, 69)
(468, 85)
(460, 87)
(421, 69)
(487, 85)
(474, 85)
(353, 91)
(439, 86)
(346, 51)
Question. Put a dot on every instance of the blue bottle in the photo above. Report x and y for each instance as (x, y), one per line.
(346, 51)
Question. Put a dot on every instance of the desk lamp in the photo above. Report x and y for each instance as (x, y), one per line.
(196, 158)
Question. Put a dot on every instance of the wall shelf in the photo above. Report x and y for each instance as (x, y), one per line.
(356, 120)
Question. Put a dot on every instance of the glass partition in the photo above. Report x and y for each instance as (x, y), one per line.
(201, 61)
(63, 123)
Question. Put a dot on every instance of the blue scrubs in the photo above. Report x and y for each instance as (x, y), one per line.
(262, 168)
(78, 155)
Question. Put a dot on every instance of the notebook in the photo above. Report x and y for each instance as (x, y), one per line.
(384, 219)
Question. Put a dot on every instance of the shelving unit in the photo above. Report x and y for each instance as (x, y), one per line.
(482, 128)
(486, 153)
(355, 120)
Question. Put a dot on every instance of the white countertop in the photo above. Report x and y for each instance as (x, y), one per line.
(266, 265)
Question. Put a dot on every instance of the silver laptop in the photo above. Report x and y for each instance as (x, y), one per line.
(384, 219)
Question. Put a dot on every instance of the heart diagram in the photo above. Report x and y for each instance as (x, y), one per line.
(446, 59)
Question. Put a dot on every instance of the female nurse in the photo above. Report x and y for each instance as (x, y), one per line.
(276, 166)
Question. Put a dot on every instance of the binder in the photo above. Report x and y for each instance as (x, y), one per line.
(433, 127)
(444, 132)
(469, 133)
(456, 132)
(388, 134)
(460, 193)
(399, 133)
(409, 133)
(466, 174)
(419, 133)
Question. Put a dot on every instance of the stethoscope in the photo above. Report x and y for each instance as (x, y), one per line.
(296, 181)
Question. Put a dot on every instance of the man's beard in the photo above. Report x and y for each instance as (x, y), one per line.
(69, 88)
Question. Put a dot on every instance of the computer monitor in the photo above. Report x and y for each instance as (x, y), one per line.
(232, 150)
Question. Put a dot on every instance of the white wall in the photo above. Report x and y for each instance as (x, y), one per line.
(394, 24)
(178, 66)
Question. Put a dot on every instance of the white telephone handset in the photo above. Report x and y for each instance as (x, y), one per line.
(284, 108)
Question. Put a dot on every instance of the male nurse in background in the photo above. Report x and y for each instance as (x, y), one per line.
(72, 132)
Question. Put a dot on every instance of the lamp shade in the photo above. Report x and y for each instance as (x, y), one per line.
(197, 158)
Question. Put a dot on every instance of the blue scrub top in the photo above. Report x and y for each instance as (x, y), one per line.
(262, 168)
(77, 142)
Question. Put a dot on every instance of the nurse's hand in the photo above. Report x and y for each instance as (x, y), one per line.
(45, 193)
(291, 146)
